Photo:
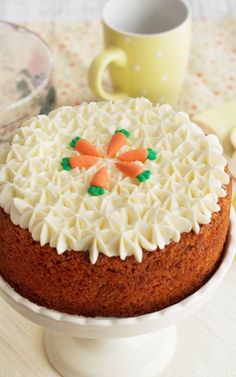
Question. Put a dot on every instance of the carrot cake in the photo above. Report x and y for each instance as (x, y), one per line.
(112, 208)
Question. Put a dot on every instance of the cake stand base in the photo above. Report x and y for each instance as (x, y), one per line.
(139, 356)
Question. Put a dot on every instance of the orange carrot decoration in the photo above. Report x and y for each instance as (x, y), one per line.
(84, 146)
(130, 169)
(133, 170)
(82, 161)
(140, 154)
(89, 155)
(99, 183)
(117, 141)
(100, 179)
(69, 163)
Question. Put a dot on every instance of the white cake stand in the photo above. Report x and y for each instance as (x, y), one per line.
(110, 347)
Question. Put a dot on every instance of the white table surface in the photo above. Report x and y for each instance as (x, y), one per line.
(207, 340)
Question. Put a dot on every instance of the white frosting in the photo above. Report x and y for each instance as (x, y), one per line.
(187, 180)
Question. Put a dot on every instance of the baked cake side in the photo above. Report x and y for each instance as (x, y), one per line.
(112, 287)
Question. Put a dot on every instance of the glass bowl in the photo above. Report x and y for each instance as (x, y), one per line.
(25, 77)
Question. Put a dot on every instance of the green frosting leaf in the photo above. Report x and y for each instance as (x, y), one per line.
(96, 191)
(123, 131)
(74, 141)
(144, 176)
(152, 155)
(65, 163)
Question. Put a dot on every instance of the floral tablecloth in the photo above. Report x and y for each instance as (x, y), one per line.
(211, 77)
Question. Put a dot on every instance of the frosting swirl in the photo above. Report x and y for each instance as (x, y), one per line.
(187, 179)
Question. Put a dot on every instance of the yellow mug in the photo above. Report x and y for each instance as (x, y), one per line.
(147, 47)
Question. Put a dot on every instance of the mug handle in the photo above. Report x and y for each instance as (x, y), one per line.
(100, 63)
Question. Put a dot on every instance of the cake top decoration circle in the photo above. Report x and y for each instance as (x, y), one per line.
(129, 168)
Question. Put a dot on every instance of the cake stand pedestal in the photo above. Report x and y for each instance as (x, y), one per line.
(114, 347)
(138, 356)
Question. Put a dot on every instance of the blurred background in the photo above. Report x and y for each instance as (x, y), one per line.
(85, 10)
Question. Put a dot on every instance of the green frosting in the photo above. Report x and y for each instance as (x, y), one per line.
(74, 141)
(96, 191)
(65, 163)
(144, 176)
(152, 155)
(123, 131)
